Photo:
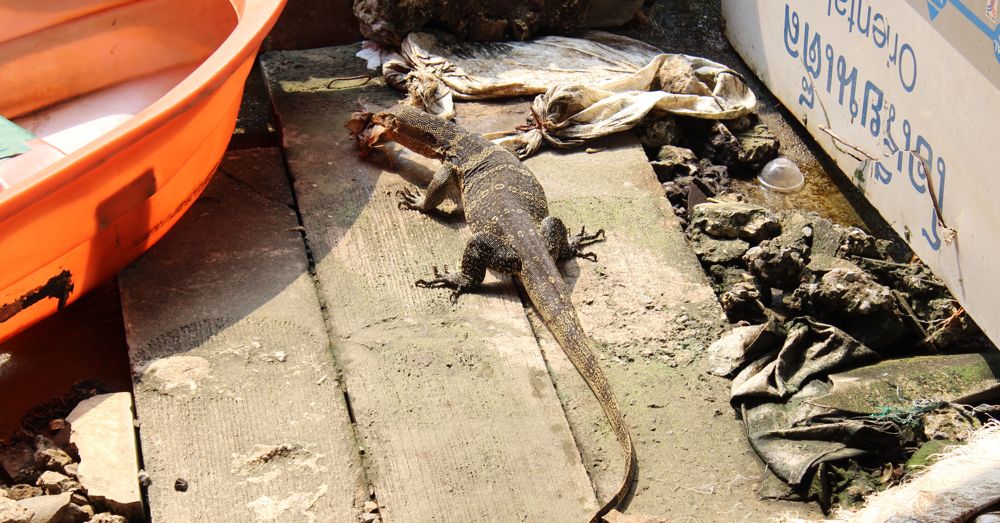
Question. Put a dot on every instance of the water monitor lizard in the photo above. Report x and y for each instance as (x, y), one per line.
(513, 233)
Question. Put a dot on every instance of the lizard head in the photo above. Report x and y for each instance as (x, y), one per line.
(368, 135)
(410, 127)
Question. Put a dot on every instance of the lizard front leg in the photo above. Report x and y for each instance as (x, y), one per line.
(435, 193)
(562, 246)
(483, 251)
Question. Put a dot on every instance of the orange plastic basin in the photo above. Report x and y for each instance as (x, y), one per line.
(133, 103)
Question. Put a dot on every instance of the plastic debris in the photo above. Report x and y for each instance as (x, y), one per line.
(588, 87)
(781, 175)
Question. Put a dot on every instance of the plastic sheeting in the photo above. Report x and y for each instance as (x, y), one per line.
(809, 393)
(774, 392)
(587, 87)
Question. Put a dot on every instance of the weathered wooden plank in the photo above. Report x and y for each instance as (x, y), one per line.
(648, 306)
(454, 406)
(235, 387)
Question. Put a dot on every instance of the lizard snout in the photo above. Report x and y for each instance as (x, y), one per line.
(367, 131)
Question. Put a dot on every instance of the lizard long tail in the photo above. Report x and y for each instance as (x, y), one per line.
(550, 296)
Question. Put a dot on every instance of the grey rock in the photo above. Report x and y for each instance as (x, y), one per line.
(53, 509)
(736, 220)
(656, 133)
(821, 263)
(798, 226)
(79, 513)
(717, 251)
(856, 242)
(743, 302)
(824, 236)
(49, 480)
(672, 161)
(777, 263)
(724, 277)
(718, 144)
(862, 307)
(758, 145)
(49, 456)
(23, 491)
(72, 469)
(949, 423)
(12, 512)
(742, 123)
(107, 517)
(853, 292)
(60, 438)
(56, 483)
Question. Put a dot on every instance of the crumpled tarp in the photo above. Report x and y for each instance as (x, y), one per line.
(773, 393)
(797, 387)
(588, 87)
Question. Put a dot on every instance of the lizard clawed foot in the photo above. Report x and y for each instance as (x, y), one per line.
(410, 199)
(452, 280)
(583, 239)
(577, 242)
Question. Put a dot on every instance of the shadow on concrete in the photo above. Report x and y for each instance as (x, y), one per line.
(84, 341)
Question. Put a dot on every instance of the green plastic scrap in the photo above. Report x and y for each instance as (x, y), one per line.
(13, 139)
(907, 416)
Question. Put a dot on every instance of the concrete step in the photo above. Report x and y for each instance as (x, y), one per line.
(235, 388)
(453, 404)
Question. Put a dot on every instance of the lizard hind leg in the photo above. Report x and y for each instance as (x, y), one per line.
(562, 245)
(483, 251)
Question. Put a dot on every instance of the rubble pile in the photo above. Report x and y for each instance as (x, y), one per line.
(820, 310)
(694, 158)
(40, 478)
(781, 265)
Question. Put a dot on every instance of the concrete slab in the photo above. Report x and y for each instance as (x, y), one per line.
(649, 307)
(453, 404)
(104, 435)
(235, 387)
